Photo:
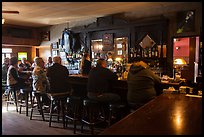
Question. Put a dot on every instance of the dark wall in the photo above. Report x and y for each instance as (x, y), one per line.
(19, 35)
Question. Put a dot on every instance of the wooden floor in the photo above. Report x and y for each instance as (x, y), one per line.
(14, 123)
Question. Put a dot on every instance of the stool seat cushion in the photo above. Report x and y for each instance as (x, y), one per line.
(117, 105)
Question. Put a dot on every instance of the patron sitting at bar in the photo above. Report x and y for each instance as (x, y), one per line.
(58, 76)
(40, 81)
(13, 78)
(141, 84)
(100, 80)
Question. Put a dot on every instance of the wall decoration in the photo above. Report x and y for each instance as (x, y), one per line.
(108, 42)
(186, 21)
(54, 45)
(46, 36)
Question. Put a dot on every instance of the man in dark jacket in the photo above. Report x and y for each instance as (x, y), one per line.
(58, 76)
(100, 80)
(141, 84)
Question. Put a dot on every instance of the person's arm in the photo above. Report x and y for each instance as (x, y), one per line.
(113, 76)
(15, 75)
(157, 82)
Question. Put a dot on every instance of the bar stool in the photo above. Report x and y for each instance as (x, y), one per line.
(116, 109)
(37, 103)
(73, 113)
(92, 114)
(12, 97)
(60, 99)
(25, 93)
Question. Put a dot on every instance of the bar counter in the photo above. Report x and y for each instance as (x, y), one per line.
(167, 114)
(120, 87)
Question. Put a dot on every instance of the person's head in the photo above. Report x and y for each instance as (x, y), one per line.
(140, 63)
(49, 59)
(6, 60)
(23, 60)
(13, 61)
(39, 62)
(35, 58)
(57, 59)
(101, 62)
(87, 56)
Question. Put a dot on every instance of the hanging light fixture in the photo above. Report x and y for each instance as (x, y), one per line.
(3, 20)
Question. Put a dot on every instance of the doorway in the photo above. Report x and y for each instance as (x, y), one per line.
(187, 50)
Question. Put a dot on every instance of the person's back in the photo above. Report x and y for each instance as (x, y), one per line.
(12, 76)
(100, 81)
(86, 64)
(58, 76)
(40, 82)
(141, 84)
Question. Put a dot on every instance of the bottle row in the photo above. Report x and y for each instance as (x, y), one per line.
(154, 52)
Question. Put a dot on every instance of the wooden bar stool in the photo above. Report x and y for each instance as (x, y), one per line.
(12, 97)
(73, 112)
(92, 114)
(37, 103)
(25, 92)
(117, 109)
(60, 100)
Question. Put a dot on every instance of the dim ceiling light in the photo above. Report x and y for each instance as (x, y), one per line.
(3, 20)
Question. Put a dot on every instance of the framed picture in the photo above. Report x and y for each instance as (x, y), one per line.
(55, 53)
(186, 21)
(55, 45)
(46, 36)
(107, 42)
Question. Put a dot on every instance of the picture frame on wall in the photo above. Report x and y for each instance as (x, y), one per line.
(55, 53)
(46, 36)
(55, 45)
(107, 42)
(186, 21)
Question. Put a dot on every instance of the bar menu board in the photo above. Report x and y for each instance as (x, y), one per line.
(108, 42)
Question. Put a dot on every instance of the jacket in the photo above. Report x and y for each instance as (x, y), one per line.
(141, 85)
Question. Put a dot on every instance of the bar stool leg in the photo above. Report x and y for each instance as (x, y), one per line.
(51, 108)
(15, 99)
(8, 99)
(40, 106)
(32, 105)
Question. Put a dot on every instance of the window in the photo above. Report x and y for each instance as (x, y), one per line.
(6, 53)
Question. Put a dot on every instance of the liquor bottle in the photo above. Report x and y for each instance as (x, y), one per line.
(131, 52)
(135, 52)
(153, 51)
(138, 52)
(146, 53)
(142, 53)
(156, 52)
(150, 53)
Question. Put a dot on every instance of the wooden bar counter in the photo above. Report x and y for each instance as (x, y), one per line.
(167, 114)
(120, 87)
